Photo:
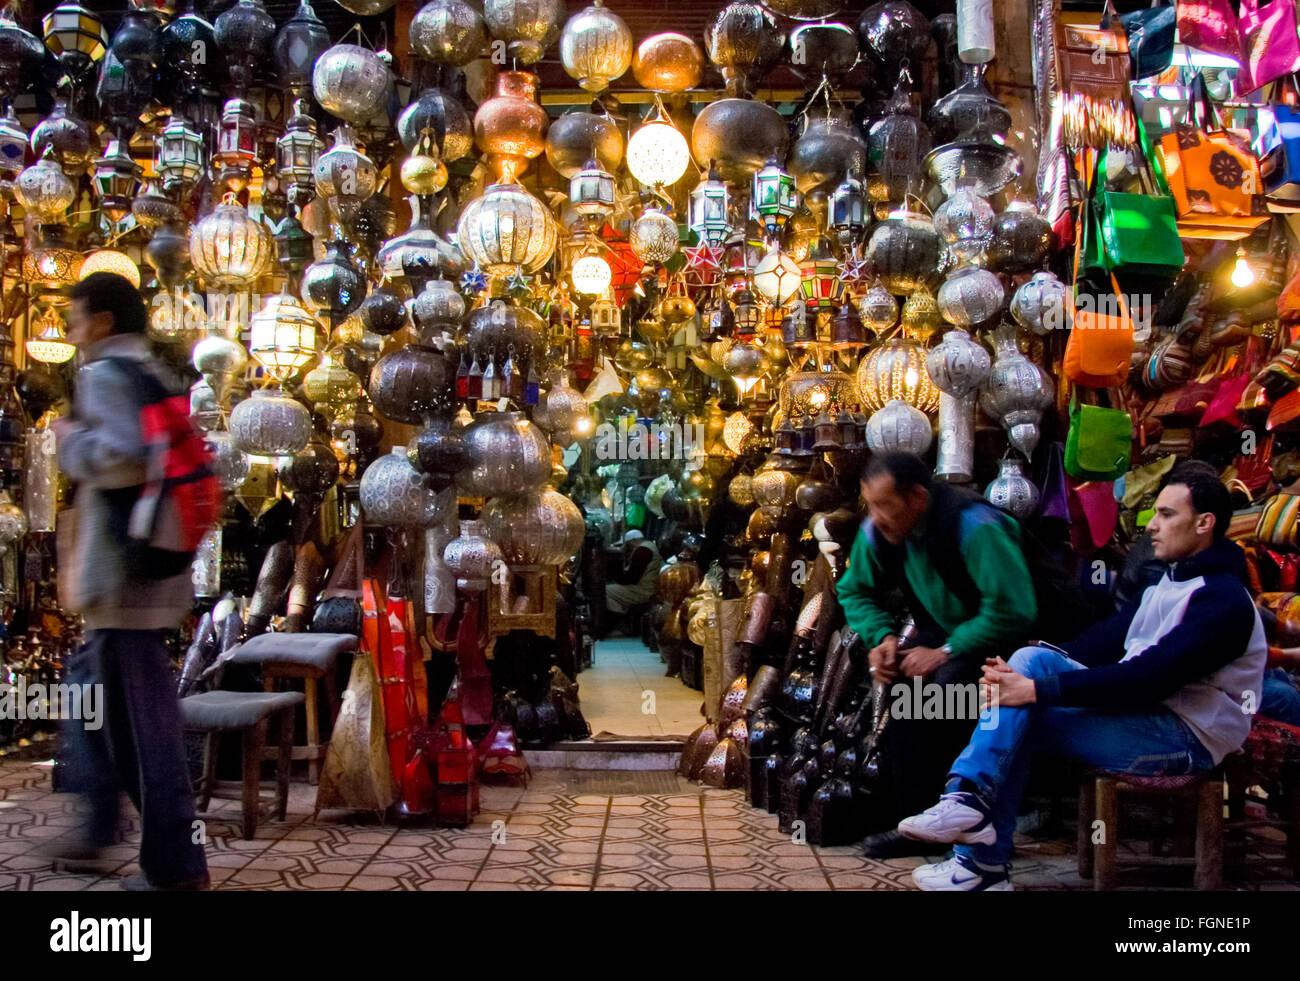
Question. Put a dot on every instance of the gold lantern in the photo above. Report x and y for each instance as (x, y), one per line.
(111, 261)
(228, 248)
(896, 370)
(49, 344)
(282, 336)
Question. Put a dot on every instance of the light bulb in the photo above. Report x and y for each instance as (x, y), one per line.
(1242, 274)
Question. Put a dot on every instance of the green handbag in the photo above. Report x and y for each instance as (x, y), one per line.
(1100, 442)
(1132, 233)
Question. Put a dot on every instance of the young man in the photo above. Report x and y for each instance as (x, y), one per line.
(960, 567)
(1166, 686)
(140, 748)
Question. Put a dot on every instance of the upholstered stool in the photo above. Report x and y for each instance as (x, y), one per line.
(1270, 760)
(310, 657)
(252, 714)
(1099, 800)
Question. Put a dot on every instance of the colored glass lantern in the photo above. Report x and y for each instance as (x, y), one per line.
(821, 286)
(237, 143)
(75, 36)
(709, 208)
(116, 178)
(847, 214)
(178, 154)
(774, 197)
(777, 277)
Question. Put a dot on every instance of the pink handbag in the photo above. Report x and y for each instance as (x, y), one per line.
(1270, 45)
(1210, 25)
(1095, 505)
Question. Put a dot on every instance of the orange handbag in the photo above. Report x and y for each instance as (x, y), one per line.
(1100, 348)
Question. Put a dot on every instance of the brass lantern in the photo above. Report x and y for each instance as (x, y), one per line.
(116, 178)
(45, 190)
(296, 153)
(897, 370)
(48, 343)
(178, 154)
(228, 248)
(505, 230)
(237, 143)
(282, 336)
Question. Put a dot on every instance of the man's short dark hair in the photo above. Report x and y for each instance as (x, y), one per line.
(907, 469)
(106, 292)
(1209, 495)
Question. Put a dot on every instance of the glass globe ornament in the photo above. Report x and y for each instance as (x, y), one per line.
(657, 154)
(653, 236)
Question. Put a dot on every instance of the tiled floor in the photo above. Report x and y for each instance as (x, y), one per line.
(556, 834)
(625, 693)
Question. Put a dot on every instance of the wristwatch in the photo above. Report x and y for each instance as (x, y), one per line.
(946, 650)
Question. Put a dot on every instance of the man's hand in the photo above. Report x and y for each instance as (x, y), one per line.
(1012, 687)
(883, 659)
(921, 661)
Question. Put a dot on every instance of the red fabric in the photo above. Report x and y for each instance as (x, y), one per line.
(1094, 513)
(474, 676)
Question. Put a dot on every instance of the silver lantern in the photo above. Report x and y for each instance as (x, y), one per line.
(394, 493)
(41, 480)
(958, 366)
(344, 175)
(439, 580)
(528, 27)
(1040, 303)
(537, 529)
(352, 82)
(899, 426)
(449, 32)
(229, 462)
(596, 47)
(508, 455)
(270, 423)
(507, 229)
(1012, 490)
(1016, 393)
(971, 296)
(472, 557)
(653, 236)
(205, 571)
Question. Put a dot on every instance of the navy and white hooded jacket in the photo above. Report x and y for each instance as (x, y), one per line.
(1194, 641)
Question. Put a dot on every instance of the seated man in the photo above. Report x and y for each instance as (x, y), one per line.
(1166, 686)
(634, 585)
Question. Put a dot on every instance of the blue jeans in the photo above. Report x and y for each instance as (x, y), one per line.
(1151, 743)
(140, 749)
(1280, 699)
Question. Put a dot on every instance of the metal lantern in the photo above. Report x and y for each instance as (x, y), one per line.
(228, 248)
(774, 491)
(448, 32)
(575, 138)
(774, 197)
(76, 36)
(747, 314)
(510, 128)
(958, 366)
(48, 342)
(710, 207)
(847, 214)
(237, 143)
(296, 153)
(1040, 304)
(971, 297)
(896, 370)
(596, 47)
(179, 155)
(21, 56)
(411, 384)
(298, 46)
(294, 246)
(452, 126)
(777, 277)
(545, 528)
(505, 230)
(330, 384)
(528, 27)
(438, 306)
(668, 62)
(1012, 490)
(344, 175)
(111, 261)
(899, 426)
(965, 223)
(744, 41)
(592, 193)
(352, 82)
(1021, 240)
(230, 464)
(821, 284)
(508, 455)
(44, 190)
(153, 209)
(282, 336)
(1016, 393)
(334, 285)
(244, 33)
(657, 153)
(270, 423)
(180, 44)
(116, 177)
(739, 136)
(472, 557)
(394, 493)
(653, 236)
(591, 275)
(878, 309)
(904, 250)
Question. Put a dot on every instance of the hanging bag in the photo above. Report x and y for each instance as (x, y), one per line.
(1211, 26)
(1099, 445)
(1281, 166)
(1150, 38)
(1270, 46)
(1092, 66)
(1132, 234)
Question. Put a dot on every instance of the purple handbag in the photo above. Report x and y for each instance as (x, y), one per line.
(1270, 45)
(1210, 25)
(1056, 492)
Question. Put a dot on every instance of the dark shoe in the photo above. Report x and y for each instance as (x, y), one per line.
(138, 883)
(890, 844)
(74, 856)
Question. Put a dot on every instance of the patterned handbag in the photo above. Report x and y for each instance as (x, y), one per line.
(1279, 520)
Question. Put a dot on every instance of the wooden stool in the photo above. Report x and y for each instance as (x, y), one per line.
(1270, 759)
(1099, 799)
(305, 657)
(252, 714)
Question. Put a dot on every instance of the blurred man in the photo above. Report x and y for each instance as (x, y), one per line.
(634, 584)
(141, 749)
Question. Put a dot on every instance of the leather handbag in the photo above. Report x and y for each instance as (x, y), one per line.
(1211, 26)
(1092, 66)
(1279, 521)
(1270, 46)
(1132, 233)
(1281, 167)
(1099, 445)
(1150, 36)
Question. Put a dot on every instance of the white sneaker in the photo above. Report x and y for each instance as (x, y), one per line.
(960, 817)
(960, 874)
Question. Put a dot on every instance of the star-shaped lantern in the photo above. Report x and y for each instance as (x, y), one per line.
(519, 286)
(474, 281)
(704, 263)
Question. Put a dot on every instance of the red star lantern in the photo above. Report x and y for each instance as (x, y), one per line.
(704, 264)
(855, 274)
(625, 266)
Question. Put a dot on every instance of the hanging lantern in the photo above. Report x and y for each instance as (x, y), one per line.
(709, 214)
(592, 193)
(1040, 303)
(228, 248)
(13, 145)
(334, 285)
(820, 285)
(847, 214)
(591, 275)
(1016, 393)
(606, 318)
(449, 32)
(896, 370)
(528, 27)
(49, 344)
(111, 261)
(116, 178)
(62, 131)
(294, 246)
(411, 384)
(904, 250)
(394, 493)
(899, 426)
(472, 557)
(777, 277)
(668, 62)
(282, 337)
(344, 176)
(299, 44)
(505, 230)
(510, 128)
(76, 36)
(971, 297)
(1012, 490)
(237, 143)
(653, 236)
(746, 313)
(774, 197)
(244, 33)
(965, 223)
(596, 47)
(878, 309)
(351, 82)
(49, 264)
(657, 154)
(44, 190)
(508, 455)
(957, 366)
(21, 56)
(153, 209)
(178, 155)
(296, 153)
(423, 172)
(270, 423)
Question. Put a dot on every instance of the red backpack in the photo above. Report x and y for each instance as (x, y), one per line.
(180, 500)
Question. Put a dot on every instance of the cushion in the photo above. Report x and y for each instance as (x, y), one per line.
(315, 650)
(235, 709)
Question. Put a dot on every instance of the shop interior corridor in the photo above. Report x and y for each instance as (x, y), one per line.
(625, 693)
